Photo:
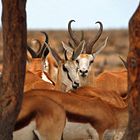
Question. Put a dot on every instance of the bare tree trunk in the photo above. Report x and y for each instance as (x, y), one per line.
(14, 61)
(133, 128)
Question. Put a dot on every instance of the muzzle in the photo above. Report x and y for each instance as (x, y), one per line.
(75, 85)
(83, 73)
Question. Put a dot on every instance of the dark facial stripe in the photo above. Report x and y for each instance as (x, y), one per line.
(65, 70)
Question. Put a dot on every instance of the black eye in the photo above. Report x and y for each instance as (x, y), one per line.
(91, 61)
(77, 61)
(64, 68)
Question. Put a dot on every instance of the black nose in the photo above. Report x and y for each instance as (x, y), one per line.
(75, 85)
(84, 72)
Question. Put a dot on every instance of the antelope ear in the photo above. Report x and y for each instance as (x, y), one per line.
(54, 54)
(100, 48)
(78, 50)
(67, 48)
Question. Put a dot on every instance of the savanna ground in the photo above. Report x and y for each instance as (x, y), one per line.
(118, 45)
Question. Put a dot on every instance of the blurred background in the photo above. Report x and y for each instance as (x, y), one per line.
(52, 16)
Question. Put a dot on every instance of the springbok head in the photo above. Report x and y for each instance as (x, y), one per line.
(67, 67)
(87, 57)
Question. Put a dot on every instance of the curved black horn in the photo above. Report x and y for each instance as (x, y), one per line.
(45, 53)
(43, 48)
(73, 37)
(46, 36)
(92, 42)
(32, 52)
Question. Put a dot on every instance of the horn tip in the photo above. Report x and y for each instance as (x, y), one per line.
(72, 20)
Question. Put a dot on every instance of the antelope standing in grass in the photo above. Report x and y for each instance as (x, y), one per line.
(111, 80)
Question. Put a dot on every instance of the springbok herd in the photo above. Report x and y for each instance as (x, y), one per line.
(63, 88)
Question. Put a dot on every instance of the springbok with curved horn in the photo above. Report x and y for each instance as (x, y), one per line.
(109, 80)
(36, 63)
(86, 59)
(67, 69)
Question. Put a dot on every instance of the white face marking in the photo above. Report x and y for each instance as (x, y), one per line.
(70, 71)
(84, 62)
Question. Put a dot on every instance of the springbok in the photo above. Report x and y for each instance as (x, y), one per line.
(113, 80)
(109, 80)
(67, 69)
(86, 59)
(50, 63)
(102, 109)
(48, 116)
(36, 63)
(35, 75)
(67, 77)
(31, 105)
(34, 81)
